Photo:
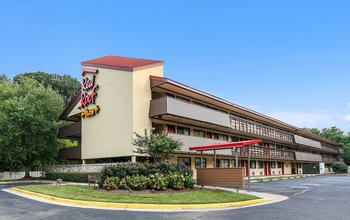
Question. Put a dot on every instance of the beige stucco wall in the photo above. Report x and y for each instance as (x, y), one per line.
(142, 96)
(124, 98)
(109, 133)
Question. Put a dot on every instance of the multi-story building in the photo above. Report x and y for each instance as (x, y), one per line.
(122, 95)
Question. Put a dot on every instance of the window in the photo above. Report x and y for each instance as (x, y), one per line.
(198, 163)
(279, 164)
(224, 163)
(184, 160)
(233, 163)
(261, 165)
(223, 137)
(183, 130)
(171, 129)
(252, 164)
(273, 164)
(199, 133)
(215, 136)
(209, 134)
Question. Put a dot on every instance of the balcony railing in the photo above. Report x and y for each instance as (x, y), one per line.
(266, 153)
(330, 149)
(253, 127)
(328, 159)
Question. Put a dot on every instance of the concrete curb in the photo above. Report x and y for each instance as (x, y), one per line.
(146, 207)
(284, 178)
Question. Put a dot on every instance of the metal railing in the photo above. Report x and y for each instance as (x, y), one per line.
(253, 127)
(266, 152)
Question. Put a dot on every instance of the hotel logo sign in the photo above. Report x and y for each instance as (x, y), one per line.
(89, 93)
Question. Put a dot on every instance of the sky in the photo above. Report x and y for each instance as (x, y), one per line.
(286, 59)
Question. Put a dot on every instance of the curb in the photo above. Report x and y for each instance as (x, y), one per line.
(144, 207)
(3, 183)
(284, 178)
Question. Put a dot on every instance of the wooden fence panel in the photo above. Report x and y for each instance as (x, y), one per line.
(223, 177)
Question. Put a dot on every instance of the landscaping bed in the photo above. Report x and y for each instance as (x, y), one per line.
(90, 193)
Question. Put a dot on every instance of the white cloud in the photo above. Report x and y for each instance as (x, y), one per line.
(347, 117)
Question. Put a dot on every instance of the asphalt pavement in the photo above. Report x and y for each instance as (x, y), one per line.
(312, 198)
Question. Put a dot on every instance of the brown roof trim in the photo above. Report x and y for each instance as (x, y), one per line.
(73, 102)
(163, 80)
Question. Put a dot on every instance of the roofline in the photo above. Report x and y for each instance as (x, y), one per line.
(292, 127)
(71, 102)
(131, 69)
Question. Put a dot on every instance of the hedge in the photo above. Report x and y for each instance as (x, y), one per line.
(340, 167)
(70, 177)
(122, 170)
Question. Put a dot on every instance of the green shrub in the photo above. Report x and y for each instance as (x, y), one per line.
(176, 181)
(122, 170)
(111, 183)
(157, 182)
(189, 182)
(340, 167)
(137, 182)
(70, 177)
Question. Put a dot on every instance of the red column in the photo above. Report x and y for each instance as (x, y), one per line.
(246, 167)
(265, 168)
(282, 168)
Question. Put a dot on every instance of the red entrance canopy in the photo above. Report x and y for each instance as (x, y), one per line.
(223, 146)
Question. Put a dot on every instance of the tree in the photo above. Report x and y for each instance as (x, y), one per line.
(158, 146)
(64, 85)
(28, 124)
(3, 78)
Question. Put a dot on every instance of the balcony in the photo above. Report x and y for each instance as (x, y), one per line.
(168, 107)
(331, 149)
(248, 126)
(300, 156)
(256, 151)
(328, 159)
(266, 153)
(71, 131)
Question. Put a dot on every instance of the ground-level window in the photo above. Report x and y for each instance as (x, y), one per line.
(252, 164)
(183, 130)
(279, 164)
(273, 164)
(199, 133)
(261, 165)
(171, 129)
(184, 160)
(224, 163)
(198, 163)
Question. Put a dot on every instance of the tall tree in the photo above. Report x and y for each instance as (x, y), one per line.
(3, 77)
(28, 124)
(65, 85)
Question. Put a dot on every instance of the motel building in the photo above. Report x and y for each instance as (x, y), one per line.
(121, 95)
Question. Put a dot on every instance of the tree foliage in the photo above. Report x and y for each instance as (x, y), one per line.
(64, 85)
(337, 135)
(28, 124)
(158, 146)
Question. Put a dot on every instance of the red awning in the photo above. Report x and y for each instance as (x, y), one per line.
(224, 146)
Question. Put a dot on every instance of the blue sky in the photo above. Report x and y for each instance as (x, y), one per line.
(287, 59)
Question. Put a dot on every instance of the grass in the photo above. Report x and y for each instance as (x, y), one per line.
(89, 193)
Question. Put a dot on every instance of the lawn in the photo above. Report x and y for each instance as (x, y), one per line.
(90, 193)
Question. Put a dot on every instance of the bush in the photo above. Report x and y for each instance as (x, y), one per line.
(137, 182)
(70, 177)
(122, 170)
(189, 182)
(176, 181)
(340, 167)
(158, 182)
(111, 183)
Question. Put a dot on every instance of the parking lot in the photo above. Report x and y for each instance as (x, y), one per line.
(321, 197)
